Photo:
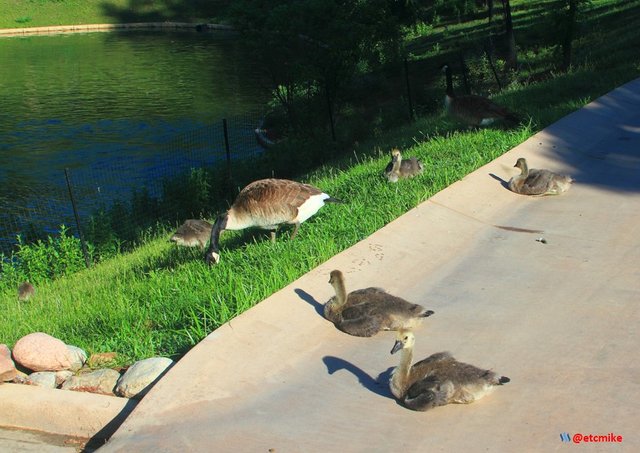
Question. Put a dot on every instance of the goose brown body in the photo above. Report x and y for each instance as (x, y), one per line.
(267, 204)
(192, 233)
(475, 110)
(402, 168)
(367, 311)
(25, 291)
(437, 380)
(538, 182)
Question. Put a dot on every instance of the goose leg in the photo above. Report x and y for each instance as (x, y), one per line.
(273, 236)
(295, 229)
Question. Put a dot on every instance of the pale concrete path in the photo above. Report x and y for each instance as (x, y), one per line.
(561, 319)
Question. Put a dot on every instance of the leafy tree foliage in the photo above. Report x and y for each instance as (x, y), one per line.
(312, 48)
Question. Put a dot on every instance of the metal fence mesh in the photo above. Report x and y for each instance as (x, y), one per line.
(141, 177)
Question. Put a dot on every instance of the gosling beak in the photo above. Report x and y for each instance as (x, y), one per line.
(396, 347)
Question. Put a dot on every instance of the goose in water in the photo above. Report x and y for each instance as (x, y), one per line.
(192, 233)
(267, 204)
(365, 312)
(399, 168)
(437, 380)
(475, 110)
(538, 182)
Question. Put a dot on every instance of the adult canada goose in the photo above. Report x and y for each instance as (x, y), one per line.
(192, 233)
(538, 182)
(25, 291)
(365, 312)
(437, 380)
(475, 110)
(399, 168)
(267, 204)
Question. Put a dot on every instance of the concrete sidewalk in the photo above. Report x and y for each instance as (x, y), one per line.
(560, 319)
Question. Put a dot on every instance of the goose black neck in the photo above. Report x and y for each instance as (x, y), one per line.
(218, 227)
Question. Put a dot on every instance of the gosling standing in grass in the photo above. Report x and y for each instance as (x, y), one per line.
(25, 291)
(192, 233)
(399, 168)
(267, 204)
(475, 110)
(437, 380)
(365, 312)
(538, 182)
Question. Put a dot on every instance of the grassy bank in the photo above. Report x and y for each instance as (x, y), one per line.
(160, 300)
(42, 13)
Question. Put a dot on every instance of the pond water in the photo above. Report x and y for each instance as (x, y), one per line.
(118, 110)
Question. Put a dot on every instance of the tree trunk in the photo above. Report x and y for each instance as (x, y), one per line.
(512, 56)
(489, 48)
(568, 34)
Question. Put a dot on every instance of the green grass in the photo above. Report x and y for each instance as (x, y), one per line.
(41, 13)
(161, 300)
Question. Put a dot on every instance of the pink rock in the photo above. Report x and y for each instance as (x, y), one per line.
(7, 367)
(41, 352)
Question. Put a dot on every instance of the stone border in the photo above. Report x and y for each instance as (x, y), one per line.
(62, 412)
(87, 28)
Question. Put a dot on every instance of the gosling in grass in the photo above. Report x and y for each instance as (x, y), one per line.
(267, 204)
(437, 380)
(538, 182)
(365, 312)
(399, 168)
(192, 233)
(25, 291)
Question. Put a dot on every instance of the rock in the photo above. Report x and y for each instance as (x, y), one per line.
(78, 357)
(41, 352)
(62, 376)
(99, 381)
(42, 379)
(7, 368)
(101, 359)
(141, 376)
(21, 378)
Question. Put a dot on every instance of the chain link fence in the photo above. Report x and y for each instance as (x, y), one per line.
(137, 188)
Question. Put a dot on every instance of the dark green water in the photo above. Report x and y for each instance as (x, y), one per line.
(110, 107)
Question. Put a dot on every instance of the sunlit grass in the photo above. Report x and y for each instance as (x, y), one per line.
(161, 300)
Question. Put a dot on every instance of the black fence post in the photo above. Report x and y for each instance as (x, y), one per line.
(75, 213)
(330, 110)
(226, 147)
(406, 78)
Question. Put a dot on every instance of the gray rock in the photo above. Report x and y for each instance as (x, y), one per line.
(42, 379)
(62, 376)
(7, 367)
(141, 376)
(99, 381)
(78, 357)
(41, 352)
